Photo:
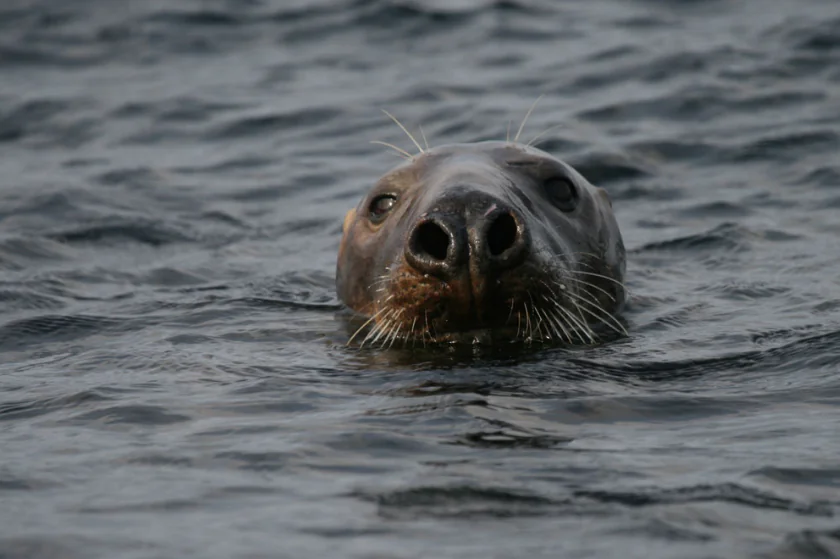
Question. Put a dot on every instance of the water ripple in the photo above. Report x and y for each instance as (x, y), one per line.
(173, 350)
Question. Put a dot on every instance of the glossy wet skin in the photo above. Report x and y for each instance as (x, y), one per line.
(482, 242)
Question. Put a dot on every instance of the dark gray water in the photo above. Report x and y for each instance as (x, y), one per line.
(173, 376)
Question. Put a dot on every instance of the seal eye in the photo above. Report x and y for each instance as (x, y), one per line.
(562, 193)
(380, 206)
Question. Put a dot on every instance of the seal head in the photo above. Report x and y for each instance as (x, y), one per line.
(483, 242)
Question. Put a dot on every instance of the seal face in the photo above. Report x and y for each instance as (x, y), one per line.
(482, 242)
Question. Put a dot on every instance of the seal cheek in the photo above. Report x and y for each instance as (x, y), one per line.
(349, 283)
(345, 234)
(348, 219)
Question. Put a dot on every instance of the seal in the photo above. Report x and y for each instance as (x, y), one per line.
(483, 243)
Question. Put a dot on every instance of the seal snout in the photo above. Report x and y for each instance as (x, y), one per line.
(436, 246)
(447, 242)
(501, 241)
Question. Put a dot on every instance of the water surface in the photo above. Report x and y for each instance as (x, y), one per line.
(173, 375)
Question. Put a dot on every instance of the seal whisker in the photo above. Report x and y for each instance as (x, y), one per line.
(525, 322)
(551, 320)
(381, 326)
(534, 311)
(563, 322)
(524, 120)
(580, 326)
(396, 328)
(591, 267)
(583, 322)
(536, 318)
(544, 335)
(528, 324)
(432, 336)
(533, 333)
(564, 256)
(616, 326)
(555, 301)
(380, 283)
(573, 324)
(400, 151)
(386, 327)
(404, 129)
(603, 277)
(360, 328)
(507, 135)
(399, 336)
(618, 330)
(543, 133)
(593, 286)
(557, 322)
(604, 313)
(552, 300)
(539, 322)
(586, 264)
(550, 290)
(413, 334)
(373, 330)
(544, 316)
(387, 331)
(571, 297)
(579, 253)
(399, 326)
(423, 135)
(536, 333)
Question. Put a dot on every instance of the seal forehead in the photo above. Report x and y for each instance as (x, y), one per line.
(496, 151)
(466, 164)
(476, 171)
(401, 178)
(502, 155)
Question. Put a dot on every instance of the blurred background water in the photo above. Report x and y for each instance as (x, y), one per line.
(173, 376)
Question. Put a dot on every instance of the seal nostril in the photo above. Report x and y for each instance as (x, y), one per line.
(432, 240)
(502, 234)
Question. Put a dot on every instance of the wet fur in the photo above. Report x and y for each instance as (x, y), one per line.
(569, 290)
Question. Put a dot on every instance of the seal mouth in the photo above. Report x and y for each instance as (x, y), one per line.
(531, 305)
